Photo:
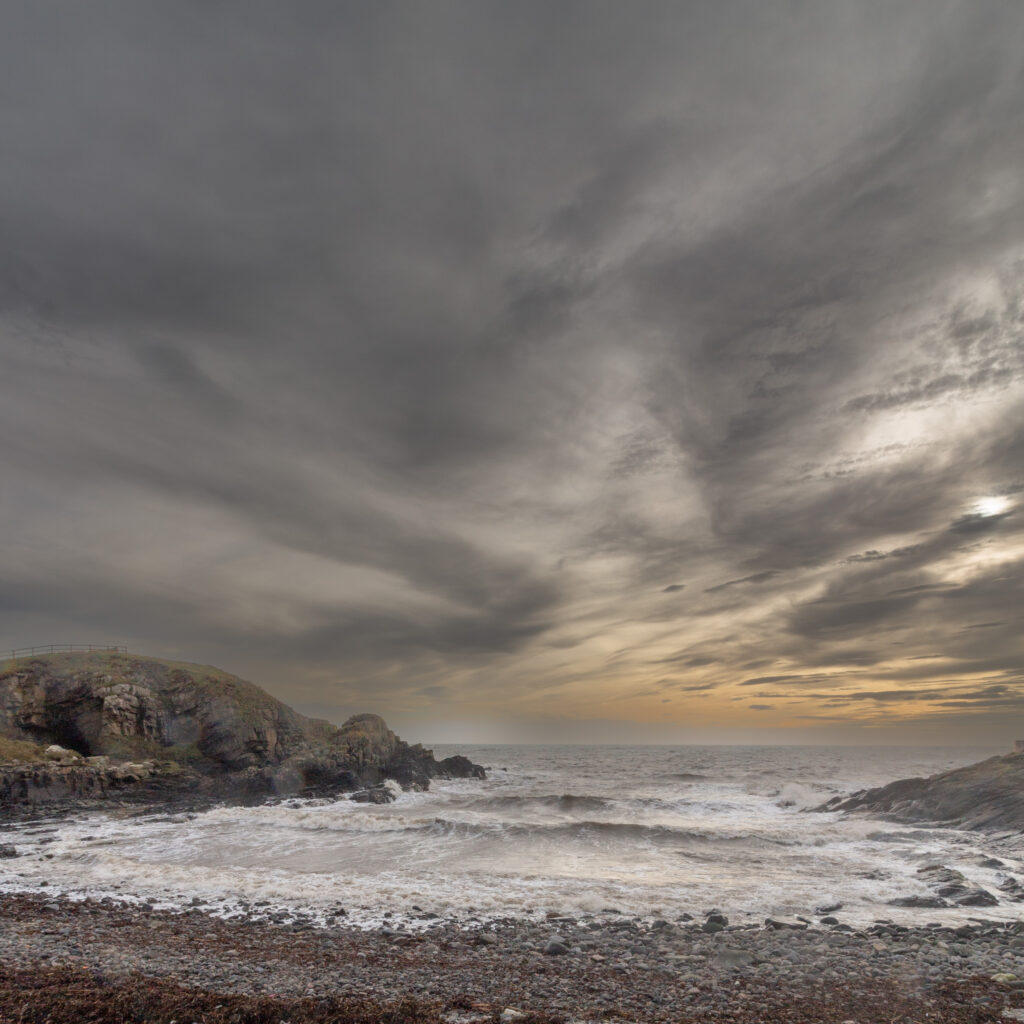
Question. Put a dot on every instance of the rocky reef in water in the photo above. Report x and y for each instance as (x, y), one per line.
(987, 796)
(87, 728)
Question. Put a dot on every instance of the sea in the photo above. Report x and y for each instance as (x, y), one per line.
(554, 831)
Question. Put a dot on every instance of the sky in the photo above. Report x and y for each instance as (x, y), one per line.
(607, 372)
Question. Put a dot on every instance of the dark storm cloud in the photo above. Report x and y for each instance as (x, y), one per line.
(977, 522)
(757, 577)
(878, 556)
(418, 353)
(801, 680)
(918, 588)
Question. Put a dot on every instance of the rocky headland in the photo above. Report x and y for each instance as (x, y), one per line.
(985, 796)
(83, 729)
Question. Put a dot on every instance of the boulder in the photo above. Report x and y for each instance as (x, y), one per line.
(921, 902)
(950, 884)
(828, 908)
(730, 959)
(55, 752)
(375, 795)
(459, 767)
(555, 946)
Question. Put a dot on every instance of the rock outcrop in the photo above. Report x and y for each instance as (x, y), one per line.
(988, 795)
(148, 730)
(126, 706)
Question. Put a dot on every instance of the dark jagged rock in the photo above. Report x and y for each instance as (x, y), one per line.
(376, 795)
(143, 730)
(459, 766)
(988, 795)
(950, 884)
(919, 902)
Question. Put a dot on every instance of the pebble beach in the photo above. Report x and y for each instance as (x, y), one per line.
(551, 969)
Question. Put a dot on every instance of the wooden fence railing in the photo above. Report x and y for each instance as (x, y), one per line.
(27, 652)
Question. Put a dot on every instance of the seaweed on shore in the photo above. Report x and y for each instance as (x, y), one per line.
(68, 995)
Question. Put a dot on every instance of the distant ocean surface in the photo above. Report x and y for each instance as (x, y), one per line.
(643, 831)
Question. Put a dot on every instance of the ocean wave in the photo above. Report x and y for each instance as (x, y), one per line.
(465, 823)
(800, 795)
(570, 805)
(516, 814)
(636, 832)
(567, 803)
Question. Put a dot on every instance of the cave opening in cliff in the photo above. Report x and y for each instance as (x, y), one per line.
(78, 730)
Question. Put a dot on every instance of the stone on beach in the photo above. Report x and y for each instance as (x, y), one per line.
(555, 946)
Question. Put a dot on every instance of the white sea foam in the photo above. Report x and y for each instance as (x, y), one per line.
(644, 831)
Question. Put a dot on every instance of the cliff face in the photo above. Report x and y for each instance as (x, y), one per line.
(127, 706)
(987, 795)
(189, 726)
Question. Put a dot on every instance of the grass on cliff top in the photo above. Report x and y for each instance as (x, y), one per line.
(20, 751)
(114, 663)
(121, 666)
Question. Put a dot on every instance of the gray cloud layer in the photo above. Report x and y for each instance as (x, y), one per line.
(522, 357)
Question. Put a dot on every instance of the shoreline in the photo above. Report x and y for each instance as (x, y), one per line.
(621, 969)
(28, 868)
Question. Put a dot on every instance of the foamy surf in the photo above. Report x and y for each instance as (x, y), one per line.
(570, 830)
